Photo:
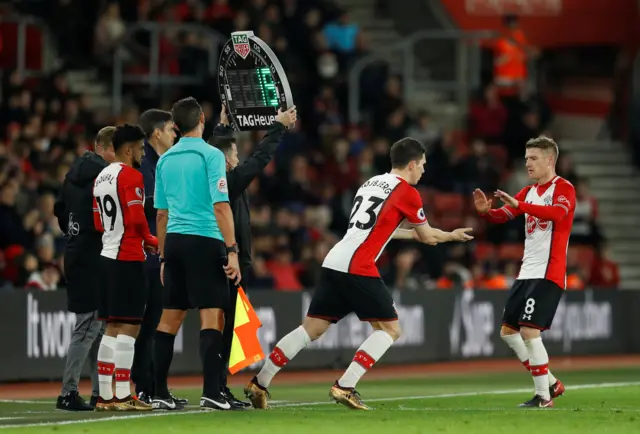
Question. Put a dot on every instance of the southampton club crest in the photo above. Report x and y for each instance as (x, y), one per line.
(241, 45)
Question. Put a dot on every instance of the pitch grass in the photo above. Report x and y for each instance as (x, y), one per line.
(600, 401)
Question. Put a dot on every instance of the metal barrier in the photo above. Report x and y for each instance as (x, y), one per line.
(48, 57)
(467, 65)
(155, 77)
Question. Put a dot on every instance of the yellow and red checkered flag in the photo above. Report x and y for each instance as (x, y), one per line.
(245, 347)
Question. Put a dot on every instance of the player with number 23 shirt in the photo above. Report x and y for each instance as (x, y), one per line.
(350, 280)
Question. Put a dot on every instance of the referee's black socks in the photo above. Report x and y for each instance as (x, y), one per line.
(163, 354)
(210, 353)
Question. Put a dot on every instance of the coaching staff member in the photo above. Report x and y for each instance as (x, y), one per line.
(198, 251)
(74, 209)
(159, 137)
(238, 178)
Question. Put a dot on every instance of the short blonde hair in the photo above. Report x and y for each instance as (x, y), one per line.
(104, 138)
(545, 143)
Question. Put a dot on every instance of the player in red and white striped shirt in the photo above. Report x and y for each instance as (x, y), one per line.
(118, 202)
(350, 281)
(548, 207)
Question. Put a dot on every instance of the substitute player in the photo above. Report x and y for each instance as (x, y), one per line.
(548, 207)
(118, 207)
(350, 281)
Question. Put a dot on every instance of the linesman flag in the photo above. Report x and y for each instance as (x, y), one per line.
(245, 347)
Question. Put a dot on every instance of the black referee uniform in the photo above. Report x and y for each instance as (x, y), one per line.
(238, 180)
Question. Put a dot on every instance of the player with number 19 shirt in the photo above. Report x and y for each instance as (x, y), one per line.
(350, 281)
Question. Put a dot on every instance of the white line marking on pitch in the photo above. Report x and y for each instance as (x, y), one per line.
(465, 394)
(20, 401)
(302, 404)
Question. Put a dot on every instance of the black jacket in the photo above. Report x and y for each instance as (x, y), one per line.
(74, 209)
(148, 170)
(239, 179)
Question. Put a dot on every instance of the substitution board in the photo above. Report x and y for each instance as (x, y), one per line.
(252, 83)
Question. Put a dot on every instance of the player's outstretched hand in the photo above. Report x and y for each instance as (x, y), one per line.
(506, 198)
(461, 234)
(287, 118)
(232, 269)
(482, 204)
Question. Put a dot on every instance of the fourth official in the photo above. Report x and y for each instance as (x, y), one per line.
(239, 177)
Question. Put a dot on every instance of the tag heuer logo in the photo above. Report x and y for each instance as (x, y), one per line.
(241, 45)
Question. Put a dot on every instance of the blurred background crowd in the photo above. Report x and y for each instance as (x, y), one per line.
(300, 205)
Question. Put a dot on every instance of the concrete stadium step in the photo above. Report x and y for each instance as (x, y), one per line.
(619, 170)
(613, 156)
(620, 233)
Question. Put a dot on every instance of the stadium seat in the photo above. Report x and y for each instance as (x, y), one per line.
(484, 251)
(448, 203)
(511, 252)
(585, 256)
(499, 153)
(450, 222)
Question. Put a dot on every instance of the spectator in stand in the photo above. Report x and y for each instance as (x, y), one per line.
(425, 130)
(342, 37)
(604, 272)
(585, 223)
(488, 117)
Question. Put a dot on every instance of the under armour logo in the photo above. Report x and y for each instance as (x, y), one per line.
(527, 317)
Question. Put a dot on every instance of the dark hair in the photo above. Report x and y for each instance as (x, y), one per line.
(224, 143)
(545, 143)
(126, 134)
(154, 119)
(104, 138)
(186, 114)
(405, 151)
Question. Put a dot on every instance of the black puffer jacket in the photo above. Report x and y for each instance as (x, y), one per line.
(74, 209)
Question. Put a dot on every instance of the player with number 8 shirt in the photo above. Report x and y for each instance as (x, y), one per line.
(350, 280)
(118, 212)
(548, 206)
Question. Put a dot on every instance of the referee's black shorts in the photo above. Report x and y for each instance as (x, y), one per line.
(193, 273)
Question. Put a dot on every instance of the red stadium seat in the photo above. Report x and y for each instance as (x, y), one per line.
(511, 252)
(450, 222)
(484, 251)
(448, 203)
(499, 153)
(585, 256)
(427, 194)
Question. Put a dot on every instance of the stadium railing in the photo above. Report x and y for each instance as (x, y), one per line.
(27, 31)
(467, 68)
(438, 325)
(156, 77)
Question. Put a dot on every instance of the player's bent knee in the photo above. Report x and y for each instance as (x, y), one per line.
(506, 331)
(130, 330)
(529, 333)
(392, 328)
(315, 327)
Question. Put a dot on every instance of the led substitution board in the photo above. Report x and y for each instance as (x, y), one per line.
(252, 82)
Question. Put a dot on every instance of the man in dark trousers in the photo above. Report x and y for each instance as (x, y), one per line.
(74, 209)
(239, 176)
(160, 135)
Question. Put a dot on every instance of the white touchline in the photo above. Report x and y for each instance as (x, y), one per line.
(20, 401)
(464, 394)
(308, 404)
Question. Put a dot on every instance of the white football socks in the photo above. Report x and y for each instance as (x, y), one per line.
(371, 350)
(286, 349)
(106, 366)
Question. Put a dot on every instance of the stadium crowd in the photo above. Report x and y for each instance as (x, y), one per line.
(300, 205)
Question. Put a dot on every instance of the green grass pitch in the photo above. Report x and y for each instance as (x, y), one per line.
(595, 402)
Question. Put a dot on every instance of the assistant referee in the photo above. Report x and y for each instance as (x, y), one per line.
(239, 177)
(198, 251)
